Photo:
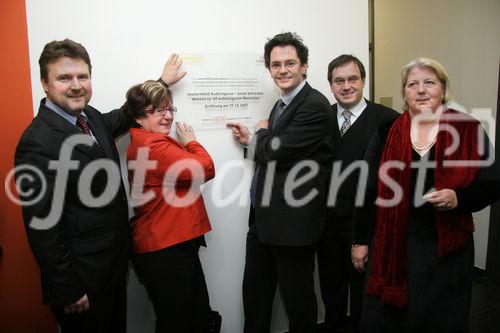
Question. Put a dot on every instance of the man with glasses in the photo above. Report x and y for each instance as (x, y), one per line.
(83, 250)
(283, 230)
(357, 120)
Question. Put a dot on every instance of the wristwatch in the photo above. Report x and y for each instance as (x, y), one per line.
(163, 83)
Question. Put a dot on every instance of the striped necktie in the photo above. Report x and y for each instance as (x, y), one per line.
(81, 122)
(347, 122)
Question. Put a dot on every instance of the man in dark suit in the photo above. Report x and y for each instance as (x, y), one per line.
(357, 119)
(292, 152)
(76, 212)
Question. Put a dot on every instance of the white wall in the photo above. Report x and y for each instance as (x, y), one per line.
(464, 36)
(129, 41)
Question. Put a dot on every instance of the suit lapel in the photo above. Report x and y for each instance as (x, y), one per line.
(291, 108)
(361, 126)
(272, 115)
(59, 124)
(368, 115)
(336, 128)
(99, 133)
(372, 117)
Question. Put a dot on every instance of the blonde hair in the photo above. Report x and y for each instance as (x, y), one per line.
(435, 66)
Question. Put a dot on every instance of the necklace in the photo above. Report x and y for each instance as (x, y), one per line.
(427, 147)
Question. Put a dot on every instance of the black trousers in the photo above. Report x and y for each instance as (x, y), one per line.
(289, 267)
(176, 285)
(105, 315)
(337, 275)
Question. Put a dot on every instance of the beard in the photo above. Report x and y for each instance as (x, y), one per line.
(73, 108)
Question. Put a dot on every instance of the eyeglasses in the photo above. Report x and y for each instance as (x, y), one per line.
(352, 80)
(162, 111)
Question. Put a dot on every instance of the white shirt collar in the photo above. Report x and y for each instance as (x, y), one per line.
(356, 111)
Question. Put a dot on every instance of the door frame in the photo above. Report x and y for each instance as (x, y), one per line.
(493, 251)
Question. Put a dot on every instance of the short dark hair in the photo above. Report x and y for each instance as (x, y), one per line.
(142, 95)
(342, 60)
(58, 49)
(284, 39)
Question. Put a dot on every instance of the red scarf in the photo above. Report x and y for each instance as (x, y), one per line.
(388, 277)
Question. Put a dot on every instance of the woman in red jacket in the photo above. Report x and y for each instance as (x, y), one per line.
(170, 217)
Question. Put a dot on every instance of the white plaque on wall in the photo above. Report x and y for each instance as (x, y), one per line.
(222, 88)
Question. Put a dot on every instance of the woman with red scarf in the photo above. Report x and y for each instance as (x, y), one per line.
(429, 170)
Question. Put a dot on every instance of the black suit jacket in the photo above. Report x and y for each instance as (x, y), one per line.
(302, 133)
(86, 251)
(351, 148)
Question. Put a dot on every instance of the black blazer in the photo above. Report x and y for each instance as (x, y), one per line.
(351, 148)
(302, 133)
(87, 249)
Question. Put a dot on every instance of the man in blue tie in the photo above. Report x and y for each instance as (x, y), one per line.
(292, 152)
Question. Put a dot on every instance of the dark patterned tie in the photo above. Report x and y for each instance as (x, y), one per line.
(278, 112)
(81, 122)
(253, 186)
(347, 122)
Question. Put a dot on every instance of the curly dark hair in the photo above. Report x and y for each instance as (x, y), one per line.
(58, 49)
(284, 39)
